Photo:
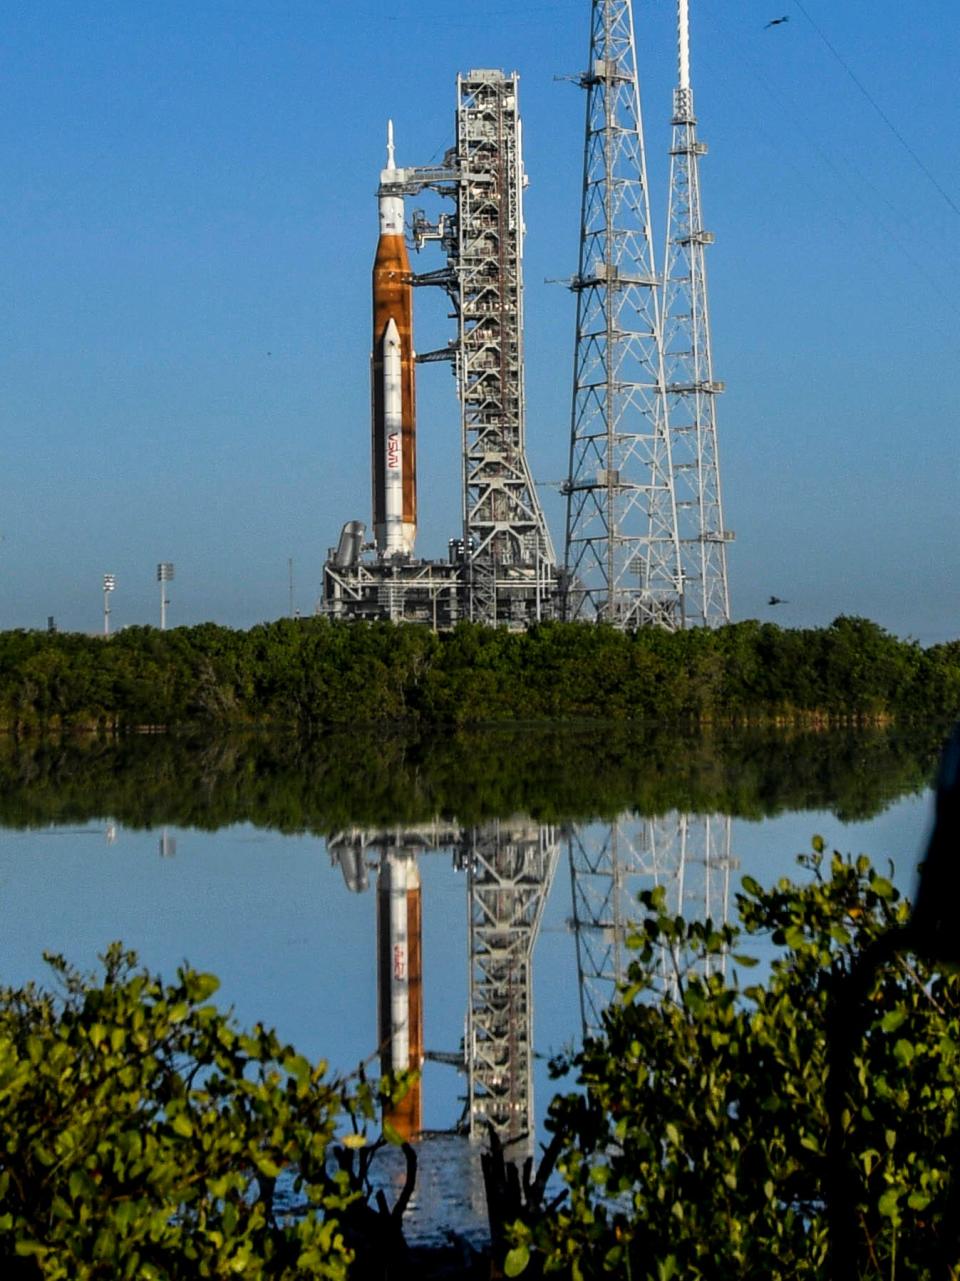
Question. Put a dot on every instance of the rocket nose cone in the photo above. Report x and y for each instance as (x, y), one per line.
(391, 333)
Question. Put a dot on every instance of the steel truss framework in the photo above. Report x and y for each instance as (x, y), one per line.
(511, 864)
(503, 524)
(622, 556)
(691, 387)
(402, 591)
(689, 855)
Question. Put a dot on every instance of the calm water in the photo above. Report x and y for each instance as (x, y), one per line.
(518, 908)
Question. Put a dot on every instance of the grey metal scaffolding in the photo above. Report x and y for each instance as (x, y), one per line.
(503, 526)
(692, 389)
(511, 864)
(622, 556)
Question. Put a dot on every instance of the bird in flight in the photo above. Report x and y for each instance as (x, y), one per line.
(777, 600)
(775, 22)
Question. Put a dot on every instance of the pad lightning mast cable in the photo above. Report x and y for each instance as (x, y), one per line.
(622, 561)
(691, 388)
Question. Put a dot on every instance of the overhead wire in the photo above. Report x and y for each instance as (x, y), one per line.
(879, 110)
(889, 230)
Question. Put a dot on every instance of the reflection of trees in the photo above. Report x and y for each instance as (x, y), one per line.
(555, 774)
(689, 855)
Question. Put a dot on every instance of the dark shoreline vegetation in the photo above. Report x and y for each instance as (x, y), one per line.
(311, 674)
(553, 774)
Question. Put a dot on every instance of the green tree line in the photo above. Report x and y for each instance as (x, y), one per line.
(315, 673)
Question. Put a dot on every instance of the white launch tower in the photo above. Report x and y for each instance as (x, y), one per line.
(622, 558)
(691, 387)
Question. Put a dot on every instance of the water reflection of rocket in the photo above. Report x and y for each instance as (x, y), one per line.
(393, 386)
(400, 981)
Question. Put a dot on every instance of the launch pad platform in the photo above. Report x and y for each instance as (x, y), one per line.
(437, 594)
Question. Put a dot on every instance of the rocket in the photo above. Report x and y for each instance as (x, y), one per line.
(392, 377)
(400, 982)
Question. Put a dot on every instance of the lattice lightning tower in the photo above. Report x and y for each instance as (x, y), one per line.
(622, 560)
(691, 387)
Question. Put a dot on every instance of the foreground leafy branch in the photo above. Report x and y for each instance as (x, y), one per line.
(143, 1135)
(697, 1144)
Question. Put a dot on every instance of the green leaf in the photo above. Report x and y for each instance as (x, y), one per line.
(181, 1124)
(516, 1260)
(892, 1020)
(80, 1184)
(266, 1166)
(818, 844)
(904, 1052)
(391, 1134)
(887, 1205)
(200, 986)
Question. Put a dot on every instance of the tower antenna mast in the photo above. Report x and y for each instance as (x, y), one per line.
(691, 388)
(622, 557)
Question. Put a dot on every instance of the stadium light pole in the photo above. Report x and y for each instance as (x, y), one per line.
(164, 576)
(109, 583)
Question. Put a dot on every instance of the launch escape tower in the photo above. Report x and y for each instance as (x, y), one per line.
(622, 558)
(691, 388)
(502, 567)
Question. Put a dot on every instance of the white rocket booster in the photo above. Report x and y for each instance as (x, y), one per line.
(394, 540)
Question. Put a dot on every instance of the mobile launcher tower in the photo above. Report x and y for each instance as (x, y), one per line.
(501, 567)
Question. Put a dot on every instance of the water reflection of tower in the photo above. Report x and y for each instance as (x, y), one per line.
(399, 944)
(510, 865)
(688, 854)
(400, 980)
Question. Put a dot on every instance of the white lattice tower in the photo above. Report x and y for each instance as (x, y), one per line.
(691, 388)
(622, 557)
(688, 854)
(503, 523)
(511, 864)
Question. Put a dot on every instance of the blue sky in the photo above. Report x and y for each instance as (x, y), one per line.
(188, 222)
